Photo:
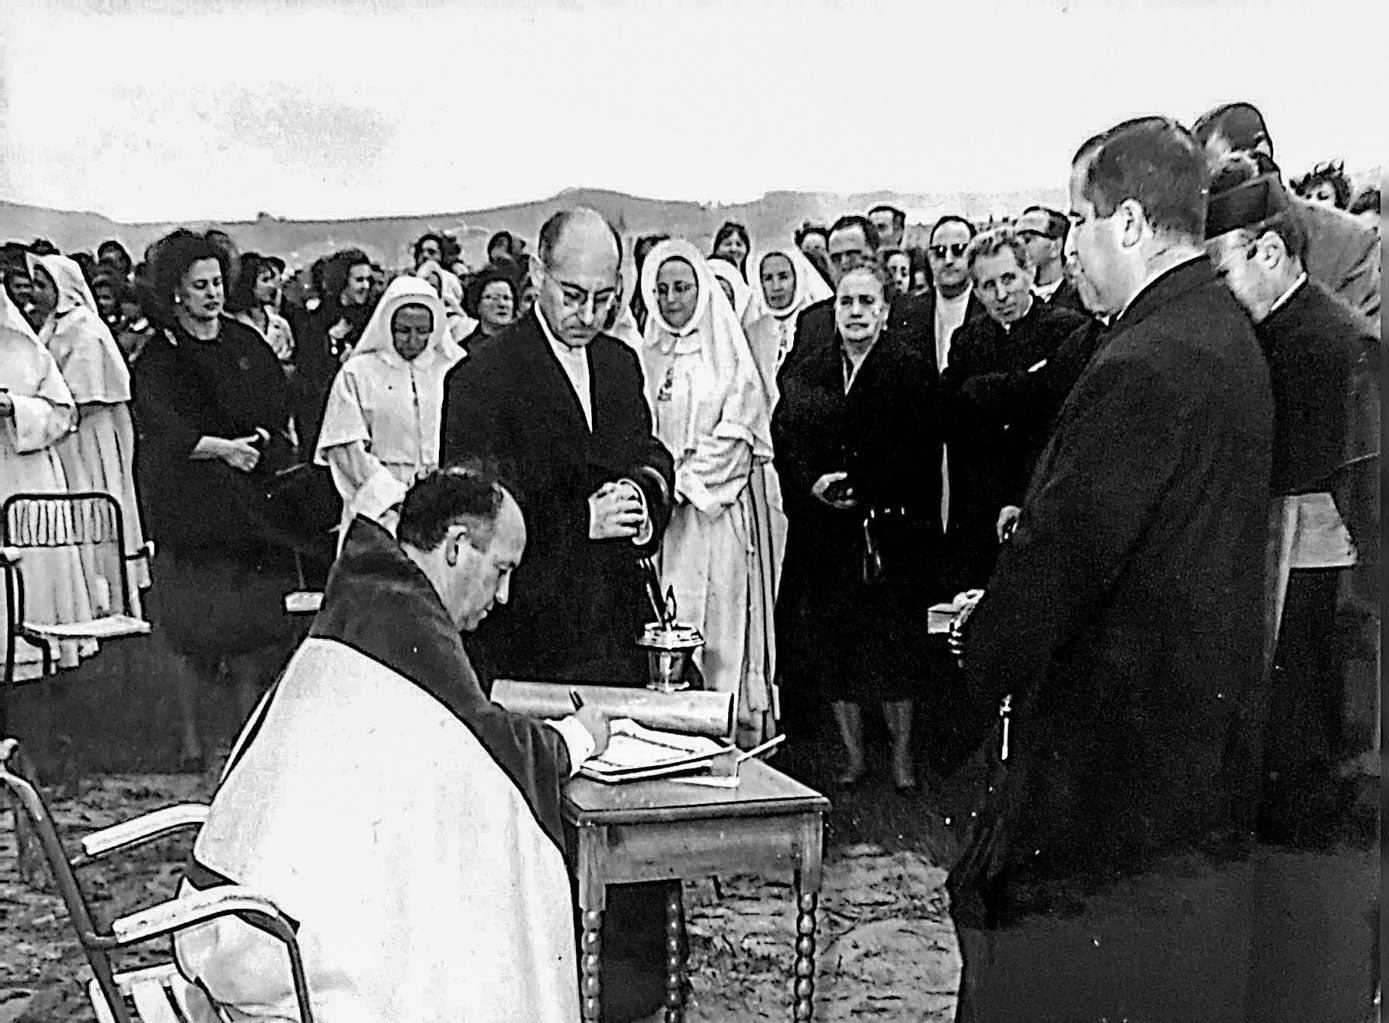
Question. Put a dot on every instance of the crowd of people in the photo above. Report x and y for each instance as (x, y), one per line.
(814, 439)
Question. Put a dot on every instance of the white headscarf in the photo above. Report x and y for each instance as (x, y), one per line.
(82, 344)
(810, 288)
(376, 337)
(728, 397)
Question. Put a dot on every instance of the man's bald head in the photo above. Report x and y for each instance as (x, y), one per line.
(581, 255)
(580, 231)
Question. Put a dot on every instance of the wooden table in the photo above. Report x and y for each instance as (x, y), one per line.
(661, 830)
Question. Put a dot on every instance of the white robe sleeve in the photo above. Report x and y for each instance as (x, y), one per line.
(716, 471)
(38, 423)
(367, 487)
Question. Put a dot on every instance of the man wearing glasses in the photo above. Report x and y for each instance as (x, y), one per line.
(1043, 232)
(556, 409)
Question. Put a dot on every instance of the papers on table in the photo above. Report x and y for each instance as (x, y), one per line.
(636, 752)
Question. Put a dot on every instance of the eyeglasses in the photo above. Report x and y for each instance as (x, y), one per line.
(939, 251)
(575, 298)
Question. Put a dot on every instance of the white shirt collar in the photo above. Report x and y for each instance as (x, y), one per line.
(1045, 291)
(1284, 298)
(574, 363)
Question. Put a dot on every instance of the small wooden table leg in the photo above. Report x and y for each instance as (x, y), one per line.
(807, 888)
(675, 957)
(803, 973)
(591, 964)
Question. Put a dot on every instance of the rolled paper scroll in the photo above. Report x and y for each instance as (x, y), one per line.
(692, 712)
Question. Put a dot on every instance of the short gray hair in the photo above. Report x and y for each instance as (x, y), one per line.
(994, 241)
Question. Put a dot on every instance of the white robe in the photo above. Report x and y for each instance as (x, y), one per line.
(44, 412)
(381, 425)
(99, 455)
(712, 411)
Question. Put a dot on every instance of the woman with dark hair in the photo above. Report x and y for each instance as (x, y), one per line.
(643, 246)
(731, 243)
(491, 298)
(501, 249)
(857, 465)
(1325, 183)
(326, 341)
(113, 254)
(135, 329)
(213, 410)
(252, 301)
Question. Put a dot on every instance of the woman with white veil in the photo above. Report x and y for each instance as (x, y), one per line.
(36, 413)
(381, 425)
(100, 454)
(785, 284)
(711, 409)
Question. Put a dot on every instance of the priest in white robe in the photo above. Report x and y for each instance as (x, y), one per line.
(410, 826)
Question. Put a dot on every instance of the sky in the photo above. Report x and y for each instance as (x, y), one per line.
(170, 109)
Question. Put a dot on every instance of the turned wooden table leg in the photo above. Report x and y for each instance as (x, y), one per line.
(593, 900)
(803, 973)
(591, 964)
(675, 957)
(807, 888)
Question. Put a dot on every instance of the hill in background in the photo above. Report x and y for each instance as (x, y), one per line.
(770, 220)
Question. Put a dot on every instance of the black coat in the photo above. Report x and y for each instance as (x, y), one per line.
(1067, 297)
(995, 412)
(1124, 616)
(577, 605)
(912, 317)
(835, 631)
(185, 389)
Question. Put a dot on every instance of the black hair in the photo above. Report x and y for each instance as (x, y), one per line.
(477, 284)
(112, 246)
(807, 229)
(169, 259)
(430, 236)
(952, 218)
(336, 271)
(1155, 162)
(1240, 124)
(729, 229)
(1334, 174)
(1366, 200)
(852, 220)
(502, 237)
(443, 498)
(241, 295)
(1058, 224)
(43, 247)
(899, 218)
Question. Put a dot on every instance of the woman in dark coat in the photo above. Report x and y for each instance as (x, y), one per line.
(212, 411)
(856, 457)
(327, 337)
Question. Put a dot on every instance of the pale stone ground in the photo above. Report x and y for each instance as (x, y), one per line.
(885, 949)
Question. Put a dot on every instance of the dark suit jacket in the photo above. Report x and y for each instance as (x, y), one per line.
(1344, 254)
(577, 605)
(1067, 296)
(1124, 615)
(994, 409)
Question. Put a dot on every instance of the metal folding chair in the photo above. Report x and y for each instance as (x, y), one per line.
(156, 994)
(92, 524)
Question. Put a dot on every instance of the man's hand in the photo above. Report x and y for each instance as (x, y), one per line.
(1007, 521)
(597, 724)
(614, 512)
(241, 453)
(829, 488)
